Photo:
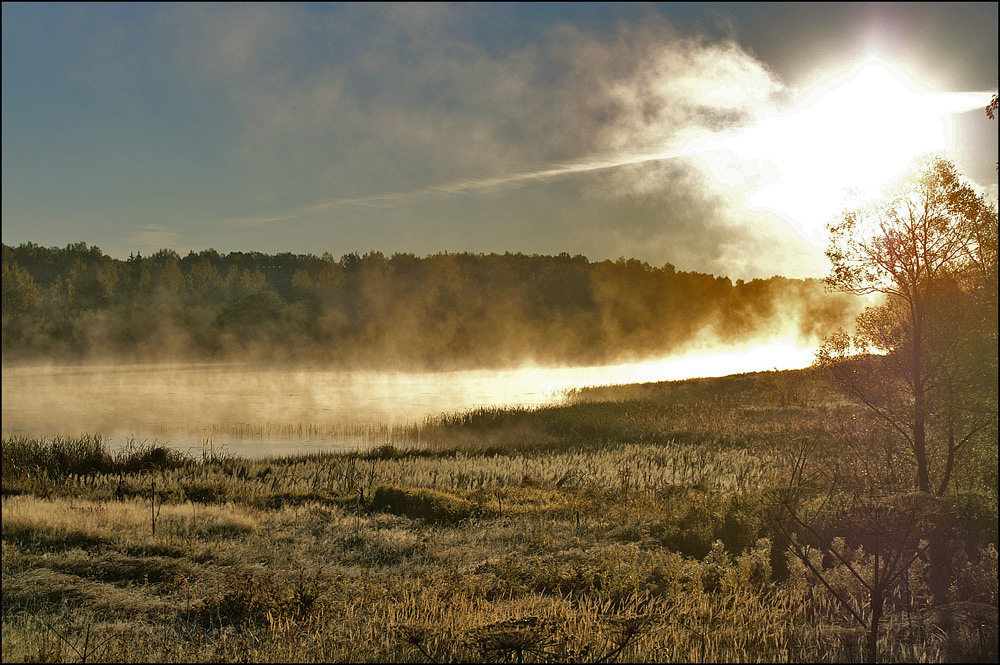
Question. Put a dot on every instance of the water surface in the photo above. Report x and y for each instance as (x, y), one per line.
(257, 410)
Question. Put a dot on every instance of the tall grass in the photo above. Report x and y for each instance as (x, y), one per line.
(626, 525)
(88, 455)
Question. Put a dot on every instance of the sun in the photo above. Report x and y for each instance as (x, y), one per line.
(850, 133)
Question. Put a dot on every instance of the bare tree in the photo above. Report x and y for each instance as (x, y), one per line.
(875, 537)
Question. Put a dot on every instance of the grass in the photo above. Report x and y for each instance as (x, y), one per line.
(627, 525)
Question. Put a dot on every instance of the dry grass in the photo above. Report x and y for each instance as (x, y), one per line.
(626, 530)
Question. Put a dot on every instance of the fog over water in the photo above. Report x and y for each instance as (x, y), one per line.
(262, 409)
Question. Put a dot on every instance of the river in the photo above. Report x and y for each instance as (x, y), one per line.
(255, 410)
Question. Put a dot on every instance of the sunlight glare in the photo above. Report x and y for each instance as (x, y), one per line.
(852, 134)
(779, 354)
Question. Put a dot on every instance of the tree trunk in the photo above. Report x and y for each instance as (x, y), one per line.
(919, 400)
(939, 569)
(949, 463)
(920, 446)
(871, 647)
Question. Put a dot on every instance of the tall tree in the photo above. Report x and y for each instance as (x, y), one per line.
(20, 291)
(929, 247)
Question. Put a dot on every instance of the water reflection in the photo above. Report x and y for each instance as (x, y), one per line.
(271, 409)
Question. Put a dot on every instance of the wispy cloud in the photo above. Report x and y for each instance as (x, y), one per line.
(424, 127)
(419, 102)
(253, 221)
(473, 186)
(152, 237)
(422, 112)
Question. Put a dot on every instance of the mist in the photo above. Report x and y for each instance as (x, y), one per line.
(279, 409)
(420, 137)
(404, 312)
(256, 347)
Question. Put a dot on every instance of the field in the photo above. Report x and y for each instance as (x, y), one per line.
(634, 524)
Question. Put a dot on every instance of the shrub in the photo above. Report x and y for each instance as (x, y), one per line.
(57, 458)
(739, 530)
(246, 600)
(206, 491)
(262, 600)
(422, 503)
(693, 534)
(86, 455)
(134, 458)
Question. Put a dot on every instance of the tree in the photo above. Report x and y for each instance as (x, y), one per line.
(924, 360)
(20, 291)
(991, 113)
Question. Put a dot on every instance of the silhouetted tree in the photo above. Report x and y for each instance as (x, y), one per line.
(991, 112)
(873, 538)
(929, 247)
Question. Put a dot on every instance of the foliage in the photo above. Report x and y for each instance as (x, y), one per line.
(432, 505)
(929, 246)
(480, 310)
(83, 456)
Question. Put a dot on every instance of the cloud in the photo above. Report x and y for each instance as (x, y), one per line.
(152, 237)
(420, 103)
(356, 110)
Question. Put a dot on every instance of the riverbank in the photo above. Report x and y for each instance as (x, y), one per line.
(630, 524)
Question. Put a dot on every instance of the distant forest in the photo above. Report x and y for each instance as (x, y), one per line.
(440, 311)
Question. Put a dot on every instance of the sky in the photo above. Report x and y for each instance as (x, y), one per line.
(718, 137)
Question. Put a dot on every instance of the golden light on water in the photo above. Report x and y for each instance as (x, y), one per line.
(186, 404)
(775, 355)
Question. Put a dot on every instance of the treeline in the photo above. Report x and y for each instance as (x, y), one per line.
(444, 310)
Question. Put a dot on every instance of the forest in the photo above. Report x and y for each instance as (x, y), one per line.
(445, 310)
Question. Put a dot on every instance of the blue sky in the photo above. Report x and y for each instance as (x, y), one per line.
(601, 129)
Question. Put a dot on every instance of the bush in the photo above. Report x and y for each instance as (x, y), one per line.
(261, 599)
(739, 530)
(243, 600)
(693, 533)
(134, 458)
(206, 492)
(421, 503)
(975, 520)
(87, 455)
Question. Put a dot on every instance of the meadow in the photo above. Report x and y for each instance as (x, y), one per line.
(633, 523)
